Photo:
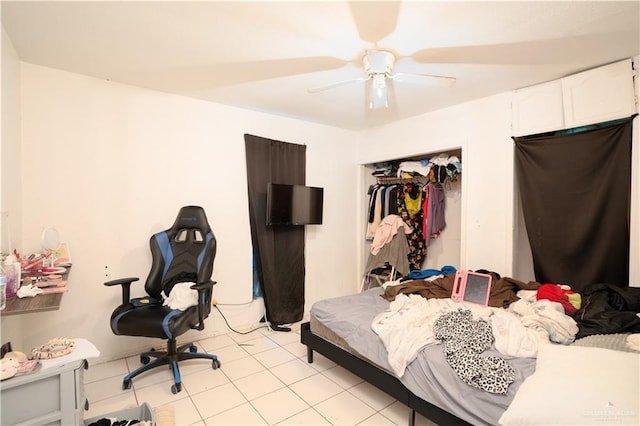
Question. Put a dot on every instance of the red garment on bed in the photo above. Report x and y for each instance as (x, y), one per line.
(554, 293)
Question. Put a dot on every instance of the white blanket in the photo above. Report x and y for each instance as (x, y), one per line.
(546, 317)
(181, 296)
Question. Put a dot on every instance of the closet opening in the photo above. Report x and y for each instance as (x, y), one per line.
(413, 187)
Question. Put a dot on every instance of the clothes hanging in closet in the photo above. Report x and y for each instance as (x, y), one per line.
(409, 195)
(406, 201)
(388, 249)
(421, 207)
(383, 201)
(420, 202)
(434, 211)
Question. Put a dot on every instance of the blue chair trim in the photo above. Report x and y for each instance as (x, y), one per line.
(165, 322)
(176, 372)
(165, 249)
(116, 320)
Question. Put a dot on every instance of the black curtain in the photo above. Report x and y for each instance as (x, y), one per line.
(575, 191)
(278, 250)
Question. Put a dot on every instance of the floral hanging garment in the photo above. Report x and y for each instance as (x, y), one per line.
(410, 197)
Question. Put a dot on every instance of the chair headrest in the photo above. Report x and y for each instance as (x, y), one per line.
(192, 217)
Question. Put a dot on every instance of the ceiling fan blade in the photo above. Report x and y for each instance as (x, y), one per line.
(549, 51)
(334, 85)
(217, 75)
(432, 80)
(375, 20)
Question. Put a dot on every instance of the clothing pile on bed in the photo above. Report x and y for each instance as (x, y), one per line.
(520, 319)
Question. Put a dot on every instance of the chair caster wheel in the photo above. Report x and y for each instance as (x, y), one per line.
(176, 388)
(144, 360)
(193, 349)
(126, 384)
(216, 364)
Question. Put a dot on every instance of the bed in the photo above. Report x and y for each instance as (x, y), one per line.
(341, 330)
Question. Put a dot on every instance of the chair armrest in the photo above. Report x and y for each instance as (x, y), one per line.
(126, 286)
(202, 288)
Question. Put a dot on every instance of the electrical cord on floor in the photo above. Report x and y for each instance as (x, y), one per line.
(236, 331)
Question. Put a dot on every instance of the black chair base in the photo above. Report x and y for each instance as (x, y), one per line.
(170, 357)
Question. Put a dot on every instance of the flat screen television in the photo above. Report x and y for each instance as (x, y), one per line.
(294, 204)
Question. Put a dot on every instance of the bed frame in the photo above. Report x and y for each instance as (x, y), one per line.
(377, 377)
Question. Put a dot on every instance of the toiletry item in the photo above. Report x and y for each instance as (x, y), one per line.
(12, 274)
(3, 289)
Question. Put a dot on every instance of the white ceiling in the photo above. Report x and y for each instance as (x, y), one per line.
(265, 55)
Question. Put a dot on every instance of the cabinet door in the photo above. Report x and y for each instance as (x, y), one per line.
(47, 397)
(537, 109)
(601, 94)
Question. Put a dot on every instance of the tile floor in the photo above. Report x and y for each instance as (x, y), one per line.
(264, 380)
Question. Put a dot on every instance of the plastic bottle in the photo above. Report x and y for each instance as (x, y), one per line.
(12, 276)
(3, 289)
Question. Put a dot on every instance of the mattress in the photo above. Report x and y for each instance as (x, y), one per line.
(346, 322)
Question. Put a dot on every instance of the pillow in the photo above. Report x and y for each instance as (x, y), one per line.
(578, 386)
(615, 341)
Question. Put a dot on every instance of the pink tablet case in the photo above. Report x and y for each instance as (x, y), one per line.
(471, 287)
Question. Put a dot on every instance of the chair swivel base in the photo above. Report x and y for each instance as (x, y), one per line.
(170, 357)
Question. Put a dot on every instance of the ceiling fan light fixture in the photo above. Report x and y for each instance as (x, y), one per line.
(379, 97)
(378, 62)
(378, 65)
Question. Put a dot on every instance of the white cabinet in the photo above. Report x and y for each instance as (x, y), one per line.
(598, 95)
(54, 396)
(594, 96)
(538, 109)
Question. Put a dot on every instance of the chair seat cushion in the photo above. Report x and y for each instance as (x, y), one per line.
(153, 320)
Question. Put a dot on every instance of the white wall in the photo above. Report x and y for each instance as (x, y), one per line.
(10, 153)
(10, 167)
(108, 165)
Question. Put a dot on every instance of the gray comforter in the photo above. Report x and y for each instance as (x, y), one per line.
(429, 376)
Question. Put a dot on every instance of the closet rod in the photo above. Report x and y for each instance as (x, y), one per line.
(415, 179)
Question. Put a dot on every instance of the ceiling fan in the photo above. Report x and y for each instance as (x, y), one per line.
(375, 23)
(378, 65)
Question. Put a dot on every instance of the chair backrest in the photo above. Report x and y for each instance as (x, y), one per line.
(183, 253)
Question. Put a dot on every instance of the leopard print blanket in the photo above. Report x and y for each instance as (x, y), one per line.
(463, 341)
